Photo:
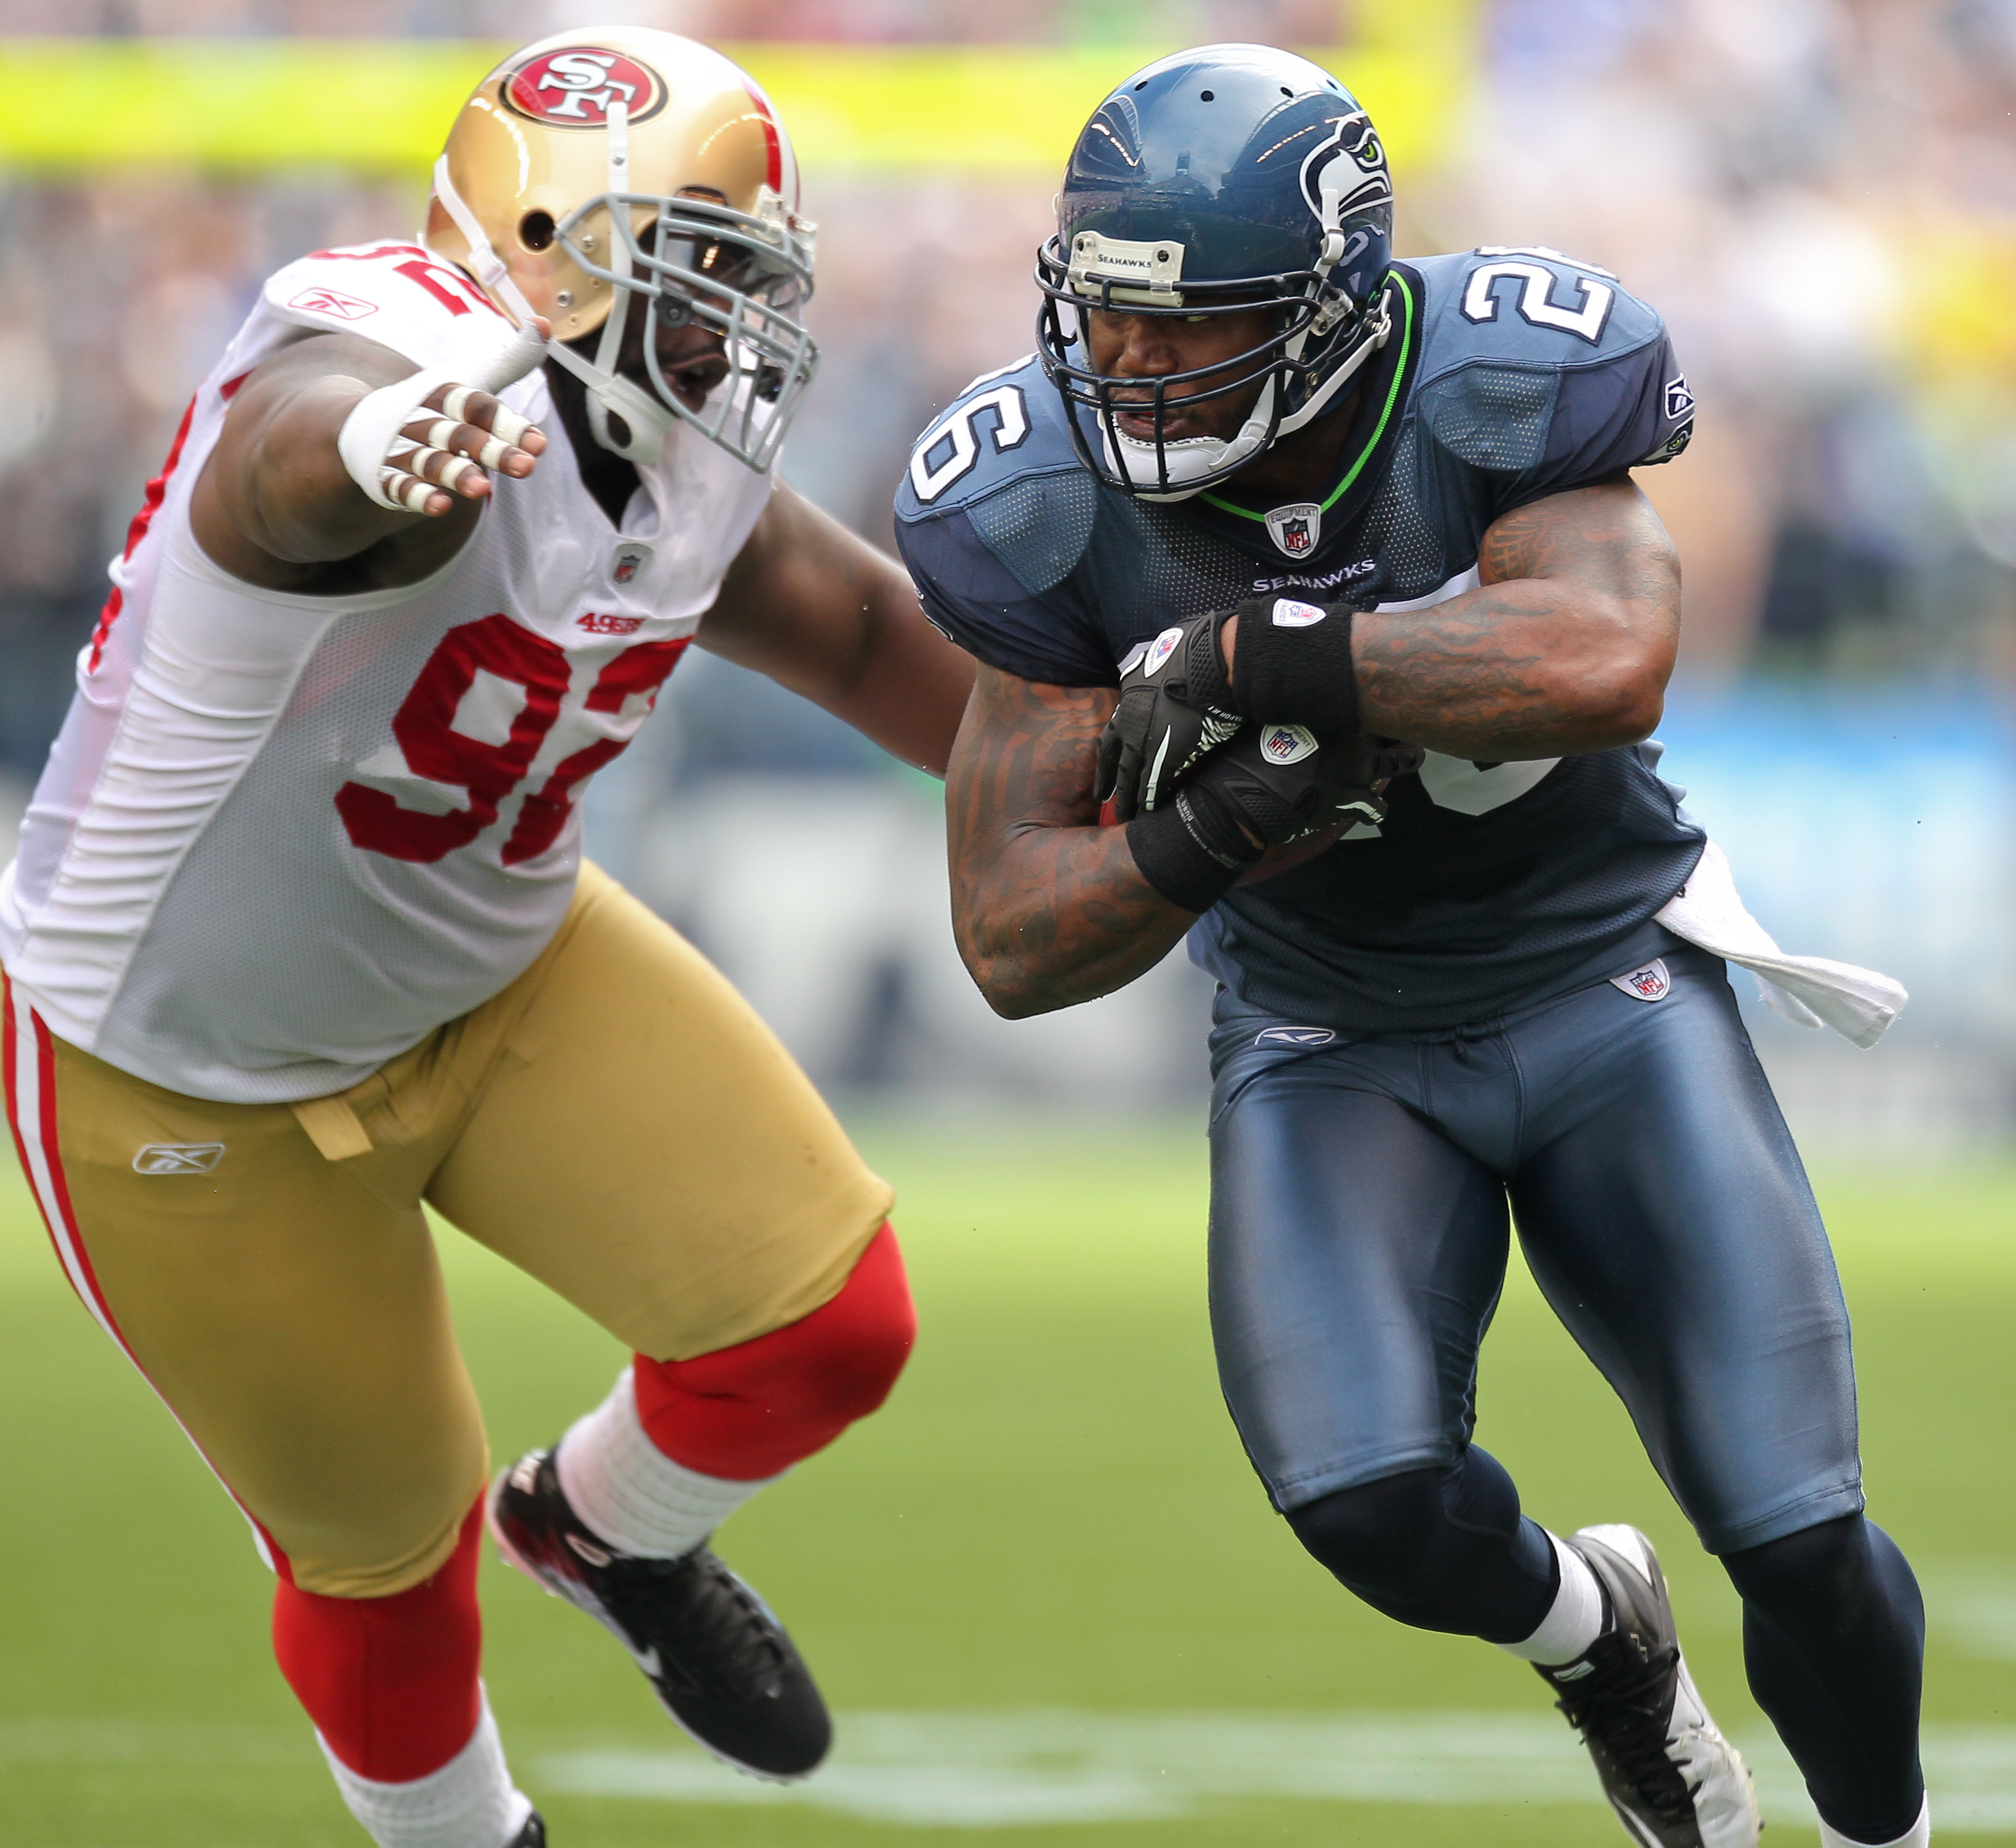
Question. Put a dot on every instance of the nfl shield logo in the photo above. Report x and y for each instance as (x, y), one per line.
(1650, 983)
(631, 558)
(1296, 527)
(1286, 743)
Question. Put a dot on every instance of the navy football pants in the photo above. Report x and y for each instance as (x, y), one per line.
(1362, 1195)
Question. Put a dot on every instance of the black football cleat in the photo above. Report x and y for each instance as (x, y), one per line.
(1674, 1781)
(721, 1664)
(532, 1835)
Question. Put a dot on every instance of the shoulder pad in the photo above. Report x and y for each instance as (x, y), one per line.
(394, 293)
(1525, 306)
(1530, 361)
(1005, 428)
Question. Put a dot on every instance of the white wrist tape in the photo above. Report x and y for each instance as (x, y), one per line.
(371, 433)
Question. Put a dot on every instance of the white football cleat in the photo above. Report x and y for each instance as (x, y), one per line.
(1673, 1778)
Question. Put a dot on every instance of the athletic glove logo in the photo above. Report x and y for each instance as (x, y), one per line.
(1286, 743)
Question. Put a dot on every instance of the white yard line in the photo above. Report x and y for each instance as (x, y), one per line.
(1027, 1766)
(993, 1769)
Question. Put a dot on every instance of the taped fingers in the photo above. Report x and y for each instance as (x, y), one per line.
(416, 471)
(467, 405)
(474, 447)
(432, 435)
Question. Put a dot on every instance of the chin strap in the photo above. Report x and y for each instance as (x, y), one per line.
(648, 422)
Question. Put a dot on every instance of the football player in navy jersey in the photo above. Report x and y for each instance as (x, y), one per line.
(1325, 574)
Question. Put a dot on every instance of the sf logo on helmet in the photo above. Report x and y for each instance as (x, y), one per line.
(575, 87)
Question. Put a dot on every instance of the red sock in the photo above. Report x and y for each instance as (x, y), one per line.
(390, 1683)
(749, 1411)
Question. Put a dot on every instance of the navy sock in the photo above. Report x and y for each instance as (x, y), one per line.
(1440, 1549)
(1834, 1637)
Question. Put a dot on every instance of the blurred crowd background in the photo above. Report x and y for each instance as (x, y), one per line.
(1820, 195)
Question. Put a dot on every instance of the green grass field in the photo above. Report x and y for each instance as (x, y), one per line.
(1042, 1590)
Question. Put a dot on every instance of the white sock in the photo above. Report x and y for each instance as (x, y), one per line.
(630, 1492)
(1573, 1621)
(1919, 1835)
(469, 1802)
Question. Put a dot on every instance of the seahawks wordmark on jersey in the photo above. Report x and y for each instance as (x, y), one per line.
(282, 838)
(1510, 375)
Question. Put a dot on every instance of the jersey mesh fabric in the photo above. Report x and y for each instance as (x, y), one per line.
(1400, 529)
(1039, 528)
(1492, 417)
(1478, 898)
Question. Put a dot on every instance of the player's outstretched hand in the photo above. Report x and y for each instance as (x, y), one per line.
(458, 437)
(416, 445)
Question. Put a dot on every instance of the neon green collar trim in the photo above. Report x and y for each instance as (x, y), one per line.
(1385, 415)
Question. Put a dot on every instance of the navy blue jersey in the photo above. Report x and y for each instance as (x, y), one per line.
(1511, 375)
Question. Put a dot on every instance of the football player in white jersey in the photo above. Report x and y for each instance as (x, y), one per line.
(299, 939)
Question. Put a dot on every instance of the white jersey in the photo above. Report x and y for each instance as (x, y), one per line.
(282, 838)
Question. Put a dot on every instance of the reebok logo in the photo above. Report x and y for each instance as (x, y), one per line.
(1303, 1038)
(179, 1158)
(331, 302)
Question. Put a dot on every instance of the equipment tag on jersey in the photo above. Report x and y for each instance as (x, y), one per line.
(630, 557)
(1296, 527)
(1650, 983)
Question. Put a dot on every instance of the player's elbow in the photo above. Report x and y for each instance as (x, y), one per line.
(1620, 710)
(1004, 985)
(1614, 693)
(1015, 986)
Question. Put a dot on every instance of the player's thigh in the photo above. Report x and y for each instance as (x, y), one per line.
(1356, 1257)
(1668, 1218)
(647, 1149)
(294, 1321)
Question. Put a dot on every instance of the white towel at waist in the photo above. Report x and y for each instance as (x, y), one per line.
(1858, 1003)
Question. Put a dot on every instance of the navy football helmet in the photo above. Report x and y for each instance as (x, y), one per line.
(1215, 182)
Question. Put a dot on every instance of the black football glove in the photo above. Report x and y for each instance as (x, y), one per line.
(1175, 706)
(1271, 785)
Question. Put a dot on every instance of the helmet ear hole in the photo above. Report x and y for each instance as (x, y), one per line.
(536, 230)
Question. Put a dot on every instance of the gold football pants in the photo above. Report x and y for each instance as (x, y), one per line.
(617, 1122)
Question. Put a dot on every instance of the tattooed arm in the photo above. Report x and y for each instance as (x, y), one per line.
(1565, 647)
(1048, 906)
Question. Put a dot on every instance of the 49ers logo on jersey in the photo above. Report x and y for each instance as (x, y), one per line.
(574, 88)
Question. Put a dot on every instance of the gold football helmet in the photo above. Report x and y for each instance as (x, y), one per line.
(621, 171)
